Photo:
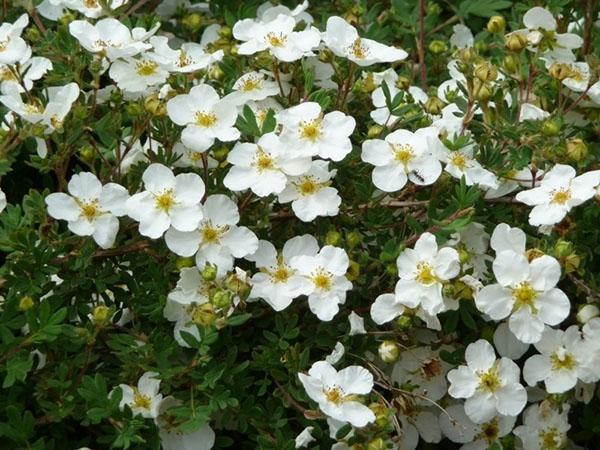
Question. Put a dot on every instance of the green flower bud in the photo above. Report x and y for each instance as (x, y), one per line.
(367, 83)
(192, 22)
(155, 106)
(220, 153)
(374, 131)
(209, 273)
(221, 299)
(225, 32)
(326, 55)
(392, 269)
(377, 444)
(25, 303)
(134, 109)
(515, 42)
(381, 414)
(577, 150)
(485, 71)
(550, 127)
(496, 24)
(483, 92)
(437, 47)
(100, 314)
(388, 351)
(67, 18)
(182, 263)
(353, 239)
(404, 322)
(32, 34)
(353, 270)
(510, 63)
(572, 262)
(86, 153)
(562, 248)
(216, 73)
(434, 106)
(466, 55)
(481, 47)
(333, 237)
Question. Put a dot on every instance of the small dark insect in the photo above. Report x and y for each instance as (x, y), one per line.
(418, 176)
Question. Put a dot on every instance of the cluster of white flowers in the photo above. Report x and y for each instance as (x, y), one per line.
(295, 162)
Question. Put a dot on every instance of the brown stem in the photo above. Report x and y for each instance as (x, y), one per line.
(588, 26)
(458, 214)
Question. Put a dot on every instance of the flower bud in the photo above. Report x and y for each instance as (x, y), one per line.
(533, 253)
(587, 313)
(571, 263)
(353, 271)
(515, 42)
(481, 47)
(333, 237)
(192, 22)
(203, 314)
(550, 127)
(220, 153)
(485, 71)
(560, 71)
(496, 24)
(353, 239)
(388, 351)
(25, 303)
(381, 414)
(209, 273)
(510, 63)
(434, 106)
(225, 32)
(221, 299)
(155, 106)
(374, 131)
(392, 269)
(134, 109)
(377, 444)
(465, 55)
(437, 47)
(216, 73)
(67, 18)
(182, 263)
(100, 314)
(32, 34)
(577, 150)
(562, 248)
(233, 50)
(86, 153)
(404, 323)
(483, 92)
(326, 55)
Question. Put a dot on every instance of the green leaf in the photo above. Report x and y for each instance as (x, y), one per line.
(482, 8)
(17, 368)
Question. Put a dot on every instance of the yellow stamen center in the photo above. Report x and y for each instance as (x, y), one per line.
(359, 50)
(311, 130)
(524, 295)
(307, 186)
(184, 59)
(205, 120)
(489, 381)
(276, 39)
(250, 83)
(561, 197)
(90, 210)
(146, 68)
(550, 439)
(6, 74)
(425, 274)
(281, 274)
(263, 161)
(458, 160)
(489, 431)
(140, 400)
(403, 153)
(322, 279)
(562, 360)
(165, 200)
(335, 395)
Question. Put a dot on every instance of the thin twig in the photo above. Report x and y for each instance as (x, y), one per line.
(421, 46)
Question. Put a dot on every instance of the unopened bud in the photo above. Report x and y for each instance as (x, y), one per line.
(510, 63)
(382, 414)
(209, 273)
(155, 106)
(333, 237)
(221, 299)
(436, 47)
(374, 131)
(182, 263)
(560, 71)
(353, 271)
(388, 351)
(25, 303)
(577, 150)
(550, 127)
(353, 239)
(404, 322)
(485, 71)
(433, 106)
(515, 42)
(587, 313)
(496, 24)
(100, 314)
(377, 444)
(483, 92)
(216, 73)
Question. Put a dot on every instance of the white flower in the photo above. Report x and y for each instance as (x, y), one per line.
(12, 46)
(253, 86)
(474, 241)
(143, 399)
(91, 209)
(336, 392)
(168, 200)
(461, 163)
(343, 40)
(526, 292)
(29, 69)
(171, 438)
(457, 427)
(525, 177)
(336, 354)
(559, 191)
(216, 239)
(544, 427)
(311, 194)
(278, 283)
(490, 386)
(304, 438)
(423, 368)
(261, 109)
(262, 167)
(60, 100)
(190, 57)
(267, 12)
(507, 344)
(357, 324)
(585, 313)
(579, 77)
(422, 271)
(504, 237)
(205, 116)
(418, 421)
(193, 157)
(277, 36)
(110, 38)
(92, 9)
(326, 272)
(564, 359)
(461, 37)
(308, 132)
(2, 200)
(136, 75)
(531, 112)
(403, 156)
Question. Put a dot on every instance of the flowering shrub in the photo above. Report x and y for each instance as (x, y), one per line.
(346, 225)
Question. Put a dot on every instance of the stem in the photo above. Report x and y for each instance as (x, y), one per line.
(421, 46)
(587, 27)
